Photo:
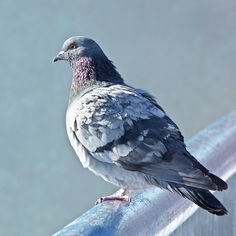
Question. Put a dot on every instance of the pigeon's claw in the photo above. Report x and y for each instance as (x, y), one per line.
(112, 198)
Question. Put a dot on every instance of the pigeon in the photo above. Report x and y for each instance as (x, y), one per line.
(121, 134)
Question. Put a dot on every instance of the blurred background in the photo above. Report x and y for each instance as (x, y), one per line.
(183, 52)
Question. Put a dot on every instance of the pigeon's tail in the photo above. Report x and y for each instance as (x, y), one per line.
(203, 198)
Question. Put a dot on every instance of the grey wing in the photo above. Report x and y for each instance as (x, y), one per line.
(129, 129)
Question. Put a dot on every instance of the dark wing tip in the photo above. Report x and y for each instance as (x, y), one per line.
(203, 198)
(221, 184)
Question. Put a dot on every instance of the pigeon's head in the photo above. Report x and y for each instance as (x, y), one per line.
(78, 46)
(88, 62)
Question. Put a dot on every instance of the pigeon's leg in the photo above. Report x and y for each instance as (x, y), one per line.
(121, 197)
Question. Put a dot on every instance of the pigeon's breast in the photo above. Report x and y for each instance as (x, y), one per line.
(108, 171)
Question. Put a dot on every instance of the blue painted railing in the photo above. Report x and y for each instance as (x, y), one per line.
(157, 212)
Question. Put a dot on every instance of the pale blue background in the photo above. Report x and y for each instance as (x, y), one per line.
(184, 52)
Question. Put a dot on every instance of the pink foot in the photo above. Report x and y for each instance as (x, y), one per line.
(111, 198)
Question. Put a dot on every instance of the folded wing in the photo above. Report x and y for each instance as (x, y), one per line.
(126, 127)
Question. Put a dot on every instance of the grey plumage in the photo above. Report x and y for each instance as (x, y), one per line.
(122, 134)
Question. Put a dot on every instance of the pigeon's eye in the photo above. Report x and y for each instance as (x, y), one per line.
(73, 46)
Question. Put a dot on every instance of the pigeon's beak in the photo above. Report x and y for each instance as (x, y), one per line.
(60, 56)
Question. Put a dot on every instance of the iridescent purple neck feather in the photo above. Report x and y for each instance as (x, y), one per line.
(83, 71)
(88, 71)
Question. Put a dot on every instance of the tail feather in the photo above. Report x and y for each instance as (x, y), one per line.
(203, 198)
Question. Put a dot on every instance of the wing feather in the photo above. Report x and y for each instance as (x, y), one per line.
(127, 127)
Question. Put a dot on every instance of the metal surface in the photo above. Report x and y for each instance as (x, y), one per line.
(154, 211)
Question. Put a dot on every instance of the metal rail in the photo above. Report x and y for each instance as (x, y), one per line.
(154, 211)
